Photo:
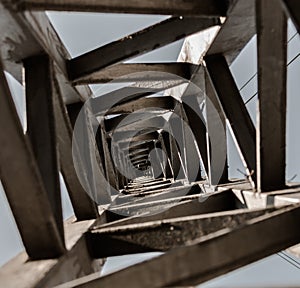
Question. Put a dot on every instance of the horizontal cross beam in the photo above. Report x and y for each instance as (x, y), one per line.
(223, 251)
(103, 103)
(151, 38)
(139, 72)
(206, 8)
(163, 235)
(163, 103)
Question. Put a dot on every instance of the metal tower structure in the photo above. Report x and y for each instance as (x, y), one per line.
(147, 168)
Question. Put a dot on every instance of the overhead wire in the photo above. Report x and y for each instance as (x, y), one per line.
(255, 74)
(290, 62)
(289, 259)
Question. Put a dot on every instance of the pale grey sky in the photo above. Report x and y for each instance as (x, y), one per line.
(82, 32)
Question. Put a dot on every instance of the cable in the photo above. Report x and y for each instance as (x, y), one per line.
(288, 64)
(250, 98)
(287, 255)
(287, 260)
(253, 76)
(293, 59)
(248, 82)
(292, 37)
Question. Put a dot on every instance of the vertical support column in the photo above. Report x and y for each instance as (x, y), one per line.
(123, 166)
(84, 207)
(101, 185)
(271, 117)
(166, 139)
(118, 165)
(41, 127)
(82, 160)
(216, 140)
(169, 172)
(191, 104)
(109, 168)
(23, 184)
(112, 162)
(161, 158)
(156, 163)
(192, 157)
(177, 162)
(127, 164)
(90, 156)
(235, 110)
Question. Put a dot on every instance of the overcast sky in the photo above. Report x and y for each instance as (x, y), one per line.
(81, 33)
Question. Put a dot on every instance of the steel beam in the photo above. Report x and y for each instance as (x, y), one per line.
(236, 32)
(32, 33)
(139, 72)
(104, 103)
(150, 206)
(41, 128)
(76, 262)
(234, 108)
(272, 77)
(293, 8)
(166, 144)
(84, 208)
(216, 132)
(130, 138)
(191, 98)
(109, 164)
(139, 156)
(192, 124)
(20, 176)
(223, 250)
(151, 38)
(154, 123)
(87, 141)
(164, 103)
(186, 206)
(168, 167)
(176, 159)
(166, 234)
(138, 151)
(207, 8)
(120, 122)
